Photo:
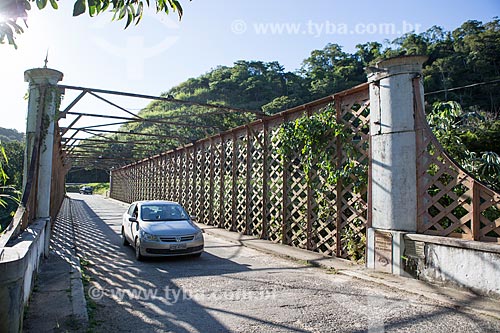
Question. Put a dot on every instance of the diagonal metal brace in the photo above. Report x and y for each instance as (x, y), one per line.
(69, 107)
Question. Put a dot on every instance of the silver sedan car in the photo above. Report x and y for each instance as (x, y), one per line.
(160, 228)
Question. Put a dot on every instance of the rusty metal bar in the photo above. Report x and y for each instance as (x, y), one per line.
(109, 140)
(338, 194)
(72, 104)
(142, 120)
(265, 185)
(91, 131)
(248, 183)
(476, 211)
(115, 105)
(66, 129)
(285, 197)
(158, 98)
(234, 187)
(222, 167)
(212, 177)
(202, 182)
(309, 196)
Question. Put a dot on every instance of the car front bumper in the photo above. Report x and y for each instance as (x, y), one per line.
(163, 249)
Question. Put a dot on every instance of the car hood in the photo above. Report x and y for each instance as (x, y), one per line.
(169, 228)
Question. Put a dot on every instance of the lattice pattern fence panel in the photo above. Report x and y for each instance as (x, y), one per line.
(256, 181)
(226, 184)
(238, 181)
(353, 197)
(277, 196)
(240, 176)
(451, 202)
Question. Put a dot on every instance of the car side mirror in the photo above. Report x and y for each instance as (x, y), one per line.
(132, 219)
(194, 218)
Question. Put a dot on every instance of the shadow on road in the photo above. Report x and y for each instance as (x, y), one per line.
(127, 295)
(186, 294)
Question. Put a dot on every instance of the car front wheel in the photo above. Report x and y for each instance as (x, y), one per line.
(138, 254)
(124, 239)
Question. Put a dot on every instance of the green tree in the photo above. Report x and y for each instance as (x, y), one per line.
(368, 53)
(14, 169)
(468, 55)
(449, 122)
(247, 85)
(132, 10)
(331, 70)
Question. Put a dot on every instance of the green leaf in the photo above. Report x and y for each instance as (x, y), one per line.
(54, 4)
(92, 7)
(123, 12)
(104, 5)
(79, 8)
(130, 18)
(138, 14)
(41, 4)
(10, 38)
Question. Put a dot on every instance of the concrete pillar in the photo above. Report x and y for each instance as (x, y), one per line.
(41, 79)
(393, 151)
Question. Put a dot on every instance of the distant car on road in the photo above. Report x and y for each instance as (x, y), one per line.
(160, 228)
(86, 190)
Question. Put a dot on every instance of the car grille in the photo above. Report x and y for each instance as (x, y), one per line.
(173, 239)
(168, 251)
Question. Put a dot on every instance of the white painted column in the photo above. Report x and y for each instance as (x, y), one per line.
(37, 78)
(393, 152)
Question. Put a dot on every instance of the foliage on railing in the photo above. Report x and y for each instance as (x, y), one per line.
(9, 196)
(451, 202)
(448, 121)
(313, 142)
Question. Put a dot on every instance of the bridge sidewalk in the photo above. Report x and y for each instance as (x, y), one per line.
(57, 303)
(460, 299)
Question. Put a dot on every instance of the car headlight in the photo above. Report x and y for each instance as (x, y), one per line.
(148, 237)
(198, 236)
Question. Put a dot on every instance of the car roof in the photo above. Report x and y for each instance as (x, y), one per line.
(146, 202)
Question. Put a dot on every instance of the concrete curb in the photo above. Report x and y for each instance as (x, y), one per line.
(449, 297)
(78, 300)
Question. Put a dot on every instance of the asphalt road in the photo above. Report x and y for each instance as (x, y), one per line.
(231, 288)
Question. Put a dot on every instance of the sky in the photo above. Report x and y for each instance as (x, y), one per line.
(162, 51)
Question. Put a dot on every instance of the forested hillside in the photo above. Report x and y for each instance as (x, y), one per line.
(469, 55)
(463, 66)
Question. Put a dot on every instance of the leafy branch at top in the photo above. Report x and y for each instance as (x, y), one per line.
(11, 11)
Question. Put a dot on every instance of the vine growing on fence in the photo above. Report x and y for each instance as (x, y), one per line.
(311, 143)
(310, 138)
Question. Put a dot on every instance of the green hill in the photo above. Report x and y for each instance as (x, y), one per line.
(7, 135)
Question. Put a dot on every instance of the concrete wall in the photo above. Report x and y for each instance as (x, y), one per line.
(455, 262)
(19, 265)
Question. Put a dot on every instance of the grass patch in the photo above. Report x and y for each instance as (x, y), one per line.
(92, 306)
(331, 271)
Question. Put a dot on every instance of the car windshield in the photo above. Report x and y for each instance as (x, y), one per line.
(163, 212)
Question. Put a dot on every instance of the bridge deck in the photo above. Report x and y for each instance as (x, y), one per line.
(230, 288)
